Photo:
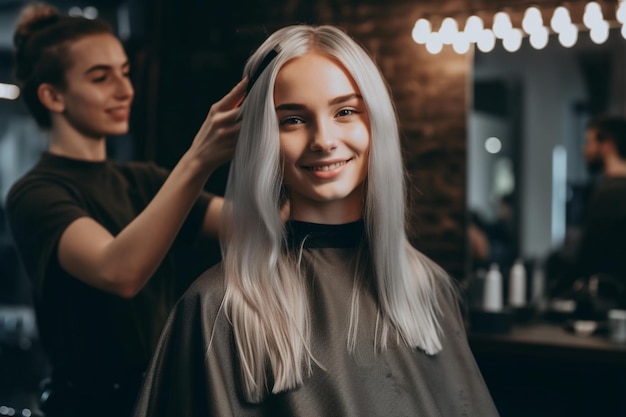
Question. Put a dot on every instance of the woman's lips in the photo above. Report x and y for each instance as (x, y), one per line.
(328, 167)
(327, 170)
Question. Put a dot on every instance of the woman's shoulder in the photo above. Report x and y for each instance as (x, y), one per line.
(446, 287)
(207, 290)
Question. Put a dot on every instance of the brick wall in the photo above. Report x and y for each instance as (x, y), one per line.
(197, 52)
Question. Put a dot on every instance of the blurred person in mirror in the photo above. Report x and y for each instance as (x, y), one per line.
(495, 240)
(333, 313)
(502, 233)
(96, 236)
(602, 250)
(478, 241)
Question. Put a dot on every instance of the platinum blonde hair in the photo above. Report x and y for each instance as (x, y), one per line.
(265, 297)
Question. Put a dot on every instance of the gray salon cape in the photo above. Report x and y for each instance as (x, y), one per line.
(195, 371)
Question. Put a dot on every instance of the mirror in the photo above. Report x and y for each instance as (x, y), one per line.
(526, 128)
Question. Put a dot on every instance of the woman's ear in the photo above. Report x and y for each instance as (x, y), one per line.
(51, 97)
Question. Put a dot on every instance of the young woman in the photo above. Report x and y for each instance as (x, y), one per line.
(94, 235)
(334, 313)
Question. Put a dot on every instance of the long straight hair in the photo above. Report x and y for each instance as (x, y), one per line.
(265, 297)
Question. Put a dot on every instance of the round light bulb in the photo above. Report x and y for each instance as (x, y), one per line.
(75, 11)
(513, 40)
(473, 27)
(434, 44)
(592, 14)
(90, 12)
(448, 30)
(599, 33)
(493, 145)
(421, 30)
(461, 43)
(487, 41)
(532, 20)
(539, 38)
(501, 24)
(593, 7)
(568, 36)
(620, 14)
(560, 19)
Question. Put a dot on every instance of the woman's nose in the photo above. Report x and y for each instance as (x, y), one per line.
(323, 138)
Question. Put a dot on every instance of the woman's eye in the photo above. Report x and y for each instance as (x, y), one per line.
(99, 79)
(346, 112)
(291, 121)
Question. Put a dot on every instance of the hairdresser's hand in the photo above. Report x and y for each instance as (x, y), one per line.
(214, 143)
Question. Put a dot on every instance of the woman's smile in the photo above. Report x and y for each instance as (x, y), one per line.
(327, 170)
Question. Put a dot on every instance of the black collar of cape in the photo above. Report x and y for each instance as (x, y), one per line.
(315, 235)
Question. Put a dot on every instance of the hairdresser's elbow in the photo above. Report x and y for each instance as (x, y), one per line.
(126, 285)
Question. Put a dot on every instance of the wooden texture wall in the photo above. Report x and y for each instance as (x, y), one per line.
(197, 50)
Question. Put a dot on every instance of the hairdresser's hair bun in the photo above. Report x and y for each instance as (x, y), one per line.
(32, 19)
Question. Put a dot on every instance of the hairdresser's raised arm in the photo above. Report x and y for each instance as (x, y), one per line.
(123, 264)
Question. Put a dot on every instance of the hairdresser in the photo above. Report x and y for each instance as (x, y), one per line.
(96, 236)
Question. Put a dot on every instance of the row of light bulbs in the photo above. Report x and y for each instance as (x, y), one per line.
(533, 26)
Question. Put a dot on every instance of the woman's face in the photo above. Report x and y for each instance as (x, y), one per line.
(98, 93)
(324, 139)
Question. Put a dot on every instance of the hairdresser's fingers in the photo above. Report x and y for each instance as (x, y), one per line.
(220, 126)
(227, 117)
(215, 120)
(222, 149)
(223, 134)
(215, 140)
(219, 131)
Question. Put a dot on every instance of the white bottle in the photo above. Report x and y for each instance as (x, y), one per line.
(517, 284)
(492, 294)
(538, 286)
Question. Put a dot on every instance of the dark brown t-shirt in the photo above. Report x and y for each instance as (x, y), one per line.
(603, 245)
(93, 338)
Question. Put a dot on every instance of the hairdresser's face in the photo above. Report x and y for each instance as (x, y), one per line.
(324, 139)
(98, 92)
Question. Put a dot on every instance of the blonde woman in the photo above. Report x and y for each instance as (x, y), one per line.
(332, 313)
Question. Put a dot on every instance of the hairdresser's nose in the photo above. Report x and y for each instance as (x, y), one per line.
(322, 136)
(124, 88)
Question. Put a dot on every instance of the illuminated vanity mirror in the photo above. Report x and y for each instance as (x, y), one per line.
(525, 135)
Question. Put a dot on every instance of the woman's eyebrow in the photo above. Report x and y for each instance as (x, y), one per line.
(290, 106)
(343, 99)
(334, 101)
